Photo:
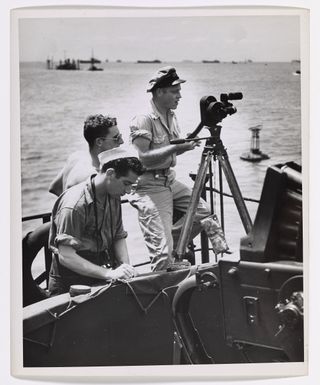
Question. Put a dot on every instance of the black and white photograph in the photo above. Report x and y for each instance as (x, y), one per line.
(161, 204)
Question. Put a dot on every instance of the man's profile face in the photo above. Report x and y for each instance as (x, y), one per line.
(170, 96)
(112, 139)
(119, 186)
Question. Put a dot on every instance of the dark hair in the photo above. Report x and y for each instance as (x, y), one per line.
(123, 165)
(96, 126)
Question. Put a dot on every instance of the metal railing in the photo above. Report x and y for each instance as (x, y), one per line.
(204, 248)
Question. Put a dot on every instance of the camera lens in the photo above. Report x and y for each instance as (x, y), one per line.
(235, 96)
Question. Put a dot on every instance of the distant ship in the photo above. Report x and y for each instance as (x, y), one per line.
(210, 61)
(148, 61)
(68, 64)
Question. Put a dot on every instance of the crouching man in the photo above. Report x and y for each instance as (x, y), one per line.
(87, 235)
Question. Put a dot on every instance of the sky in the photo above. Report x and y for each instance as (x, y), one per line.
(224, 38)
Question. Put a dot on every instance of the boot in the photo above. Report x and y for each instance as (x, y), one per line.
(215, 233)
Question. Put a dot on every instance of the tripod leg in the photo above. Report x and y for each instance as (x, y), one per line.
(195, 196)
(221, 197)
(235, 191)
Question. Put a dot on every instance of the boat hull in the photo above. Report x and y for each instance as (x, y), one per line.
(201, 316)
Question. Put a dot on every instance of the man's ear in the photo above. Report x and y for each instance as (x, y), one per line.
(110, 172)
(98, 142)
(159, 91)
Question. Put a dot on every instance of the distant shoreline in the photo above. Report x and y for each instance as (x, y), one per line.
(180, 62)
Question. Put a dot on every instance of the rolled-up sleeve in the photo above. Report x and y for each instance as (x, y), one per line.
(120, 232)
(69, 226)
(140, 126)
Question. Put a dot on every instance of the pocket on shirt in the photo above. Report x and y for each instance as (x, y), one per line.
(159, 139)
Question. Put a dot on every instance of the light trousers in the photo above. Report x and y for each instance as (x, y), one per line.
(155, 198)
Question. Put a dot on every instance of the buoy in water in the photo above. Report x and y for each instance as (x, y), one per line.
(255, 154)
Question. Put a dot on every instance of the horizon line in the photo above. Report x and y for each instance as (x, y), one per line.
(202, 61)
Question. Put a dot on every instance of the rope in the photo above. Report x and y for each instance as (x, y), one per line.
(143, 308)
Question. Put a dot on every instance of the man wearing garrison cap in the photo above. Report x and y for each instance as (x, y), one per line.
(158, 192)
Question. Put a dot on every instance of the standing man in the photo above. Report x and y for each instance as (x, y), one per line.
(86, 235)
(158, 192)
(102, 133)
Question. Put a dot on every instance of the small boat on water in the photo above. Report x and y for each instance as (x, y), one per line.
(92, 61)
(248, 310)
(94, 68)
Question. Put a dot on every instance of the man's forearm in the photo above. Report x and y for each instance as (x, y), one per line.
(71, 260)
(121, 251)
(149, 157)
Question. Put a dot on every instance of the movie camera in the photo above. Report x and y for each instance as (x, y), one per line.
(213, 111)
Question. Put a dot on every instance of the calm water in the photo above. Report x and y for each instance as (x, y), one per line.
(54, 105)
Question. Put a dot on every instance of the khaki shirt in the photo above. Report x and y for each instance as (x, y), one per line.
(74, 223)
(153, 127)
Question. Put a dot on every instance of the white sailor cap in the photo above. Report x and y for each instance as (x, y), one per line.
(116, 153)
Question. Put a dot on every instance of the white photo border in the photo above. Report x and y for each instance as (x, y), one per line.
(248, 371)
